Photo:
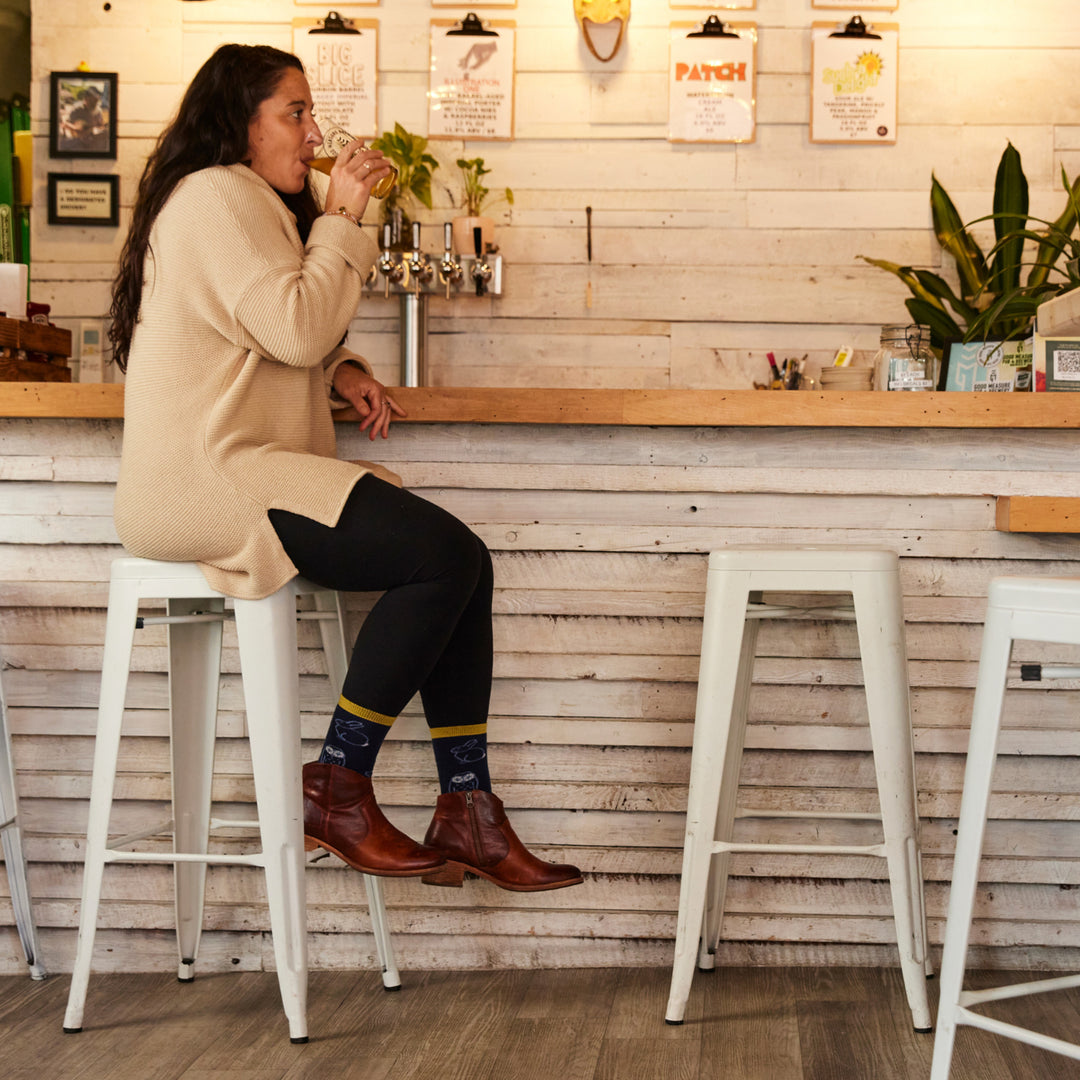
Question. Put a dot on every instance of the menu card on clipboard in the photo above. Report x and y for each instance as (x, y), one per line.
(340, 58)
(711, 78)
(853, 82)
(471, 85)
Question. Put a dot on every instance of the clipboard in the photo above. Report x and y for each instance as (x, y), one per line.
(854, 80)
(341, 61)
(712, 82)
(472, 79)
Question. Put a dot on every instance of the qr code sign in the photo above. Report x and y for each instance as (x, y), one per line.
(1067, 364)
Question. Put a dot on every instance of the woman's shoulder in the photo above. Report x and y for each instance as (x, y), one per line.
(223, 198)
(224, 182)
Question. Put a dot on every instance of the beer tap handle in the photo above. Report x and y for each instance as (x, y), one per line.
(386, 262)
(478, 243)
(448, 237)
(416, 237)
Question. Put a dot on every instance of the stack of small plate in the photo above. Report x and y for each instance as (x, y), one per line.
(847, 378)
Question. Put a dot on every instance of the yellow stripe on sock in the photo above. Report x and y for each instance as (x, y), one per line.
(365, 714)
(463, 729)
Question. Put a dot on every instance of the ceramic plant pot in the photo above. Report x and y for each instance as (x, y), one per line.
(462, 231)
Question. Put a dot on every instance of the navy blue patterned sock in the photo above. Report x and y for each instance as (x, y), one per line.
(461, 757)
(354, 737)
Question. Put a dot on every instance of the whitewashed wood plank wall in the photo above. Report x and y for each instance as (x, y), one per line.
(598, 536)
(705, 257)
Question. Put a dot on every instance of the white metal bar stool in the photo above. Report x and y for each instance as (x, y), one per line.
(14, 858)
(1031, 609)
(266, 633)
(733, 610)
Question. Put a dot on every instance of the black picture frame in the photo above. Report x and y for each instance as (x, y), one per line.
(82, 114)
(84, 199)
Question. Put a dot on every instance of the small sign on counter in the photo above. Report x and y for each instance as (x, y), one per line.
(989, 365)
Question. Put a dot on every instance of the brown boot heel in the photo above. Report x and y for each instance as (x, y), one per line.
(452, 876)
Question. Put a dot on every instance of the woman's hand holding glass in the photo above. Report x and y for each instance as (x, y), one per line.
(356, 172)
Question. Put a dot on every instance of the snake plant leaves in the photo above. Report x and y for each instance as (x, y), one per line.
(955, 239)
(1059, 234)
(1010, 216)
(943, 327)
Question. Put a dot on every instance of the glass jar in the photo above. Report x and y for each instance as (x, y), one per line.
(905, 360)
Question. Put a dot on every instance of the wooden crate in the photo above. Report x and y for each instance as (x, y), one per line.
(33, 352)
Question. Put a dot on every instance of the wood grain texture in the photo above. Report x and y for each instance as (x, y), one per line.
(664, 408)
(794, 1023)
(1037, 514)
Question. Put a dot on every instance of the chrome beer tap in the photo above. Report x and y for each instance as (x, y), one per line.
(450, 272)
(481, 271)
(420, 269)
(392, 269)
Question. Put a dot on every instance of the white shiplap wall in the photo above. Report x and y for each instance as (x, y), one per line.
(598, 536)
(704, 257)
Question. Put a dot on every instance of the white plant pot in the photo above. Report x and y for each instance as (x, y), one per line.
(462, 232)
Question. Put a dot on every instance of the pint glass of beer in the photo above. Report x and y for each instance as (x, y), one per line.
(335, 139)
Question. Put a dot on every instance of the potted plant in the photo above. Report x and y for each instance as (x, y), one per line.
(993, 303)
(475, 198)
(415, 167)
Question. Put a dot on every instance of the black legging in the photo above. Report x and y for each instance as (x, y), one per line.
(430, 631)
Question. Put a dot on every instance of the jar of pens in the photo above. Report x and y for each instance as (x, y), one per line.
(789, 375)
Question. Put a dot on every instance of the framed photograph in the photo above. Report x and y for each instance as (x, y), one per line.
(83, 199)
(82, 114)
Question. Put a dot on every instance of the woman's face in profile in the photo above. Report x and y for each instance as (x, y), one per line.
(283, 136)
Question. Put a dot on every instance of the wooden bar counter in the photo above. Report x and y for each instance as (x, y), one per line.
(599, 507)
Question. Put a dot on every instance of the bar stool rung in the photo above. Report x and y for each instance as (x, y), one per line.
(731, 846)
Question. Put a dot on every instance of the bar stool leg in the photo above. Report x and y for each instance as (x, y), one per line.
(721, 650)
(194, 667)
(267, 633)
(119, 634)
(729, 795)
(879, 619)
(14, 859)
(334, 647)
(974, 803)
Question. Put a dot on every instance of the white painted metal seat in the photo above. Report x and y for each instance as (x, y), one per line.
(733, 610)
(266, 634)
(1019, 609)
(14, 857)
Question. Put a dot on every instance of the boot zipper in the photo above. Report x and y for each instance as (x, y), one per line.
(477, 842)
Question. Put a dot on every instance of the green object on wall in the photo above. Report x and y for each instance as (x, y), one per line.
(7, 187)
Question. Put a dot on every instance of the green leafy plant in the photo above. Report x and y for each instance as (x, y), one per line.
(993, 303)
(414, 164)
(476, 194)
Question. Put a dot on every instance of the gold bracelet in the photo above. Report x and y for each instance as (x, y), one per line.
(344, 213)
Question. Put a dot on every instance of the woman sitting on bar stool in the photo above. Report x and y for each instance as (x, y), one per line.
(234, 291)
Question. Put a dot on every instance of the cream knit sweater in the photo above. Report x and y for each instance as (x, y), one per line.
(226, 406)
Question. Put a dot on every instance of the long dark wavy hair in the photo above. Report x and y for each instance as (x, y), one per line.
(210, 128)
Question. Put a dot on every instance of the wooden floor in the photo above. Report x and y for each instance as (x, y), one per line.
(742, 1024)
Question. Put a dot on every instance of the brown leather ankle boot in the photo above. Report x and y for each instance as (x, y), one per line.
(341, 815)
(470, 829)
